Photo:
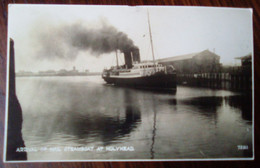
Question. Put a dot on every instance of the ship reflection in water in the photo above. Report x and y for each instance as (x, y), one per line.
(194, 123)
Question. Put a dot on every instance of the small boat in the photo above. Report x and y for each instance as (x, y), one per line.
(141, 74)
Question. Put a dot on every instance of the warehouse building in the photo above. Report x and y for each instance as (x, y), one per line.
(201, 62)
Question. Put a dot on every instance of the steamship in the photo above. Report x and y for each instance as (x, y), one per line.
(141, 74)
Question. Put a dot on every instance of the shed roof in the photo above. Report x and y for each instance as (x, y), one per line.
(187, 56)
(248, 56)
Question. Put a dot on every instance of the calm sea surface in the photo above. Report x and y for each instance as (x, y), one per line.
(82, 118)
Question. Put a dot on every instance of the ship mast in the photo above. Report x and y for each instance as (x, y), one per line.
(116, 53)
(151, 39)
(116, 58)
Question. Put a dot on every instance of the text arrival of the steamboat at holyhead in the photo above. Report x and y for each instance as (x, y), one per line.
(141, 74)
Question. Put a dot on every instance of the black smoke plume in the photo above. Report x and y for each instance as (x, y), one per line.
(66, 41)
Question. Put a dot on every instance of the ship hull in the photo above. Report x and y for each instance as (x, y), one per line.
(156, 81)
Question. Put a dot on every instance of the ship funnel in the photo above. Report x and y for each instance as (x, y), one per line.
(132, 56)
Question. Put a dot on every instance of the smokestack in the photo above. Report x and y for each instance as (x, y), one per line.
(128, 59)
(131, 56)
(136, 55)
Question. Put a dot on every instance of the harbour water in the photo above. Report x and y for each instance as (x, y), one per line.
(82, 118)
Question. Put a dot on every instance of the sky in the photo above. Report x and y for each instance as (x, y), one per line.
(54, 37)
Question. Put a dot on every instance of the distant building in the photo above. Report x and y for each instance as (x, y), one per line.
(246, 60)
(74, 71)
(24, 73)
(71, 72)
(246, 63)
(201, 62)
(47, 72)
(62, 71)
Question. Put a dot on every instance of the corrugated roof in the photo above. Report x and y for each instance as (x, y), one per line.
(186, 56)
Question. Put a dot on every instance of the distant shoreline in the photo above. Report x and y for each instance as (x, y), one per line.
(52, 75)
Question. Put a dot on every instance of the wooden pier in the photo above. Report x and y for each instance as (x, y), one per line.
(234, 80)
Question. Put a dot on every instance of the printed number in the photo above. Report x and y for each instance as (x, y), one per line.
(242, 147)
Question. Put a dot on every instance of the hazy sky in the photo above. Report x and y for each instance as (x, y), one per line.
(46, 36)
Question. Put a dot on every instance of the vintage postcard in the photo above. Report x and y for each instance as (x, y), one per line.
(120, 83)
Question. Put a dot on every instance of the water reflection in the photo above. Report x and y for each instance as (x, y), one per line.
(86, 127)
(154, 127)
(209, 105)
(244, 103)
(107, 129)
(206, 106)
(189, 124)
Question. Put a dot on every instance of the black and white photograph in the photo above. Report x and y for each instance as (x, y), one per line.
(129, 83)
